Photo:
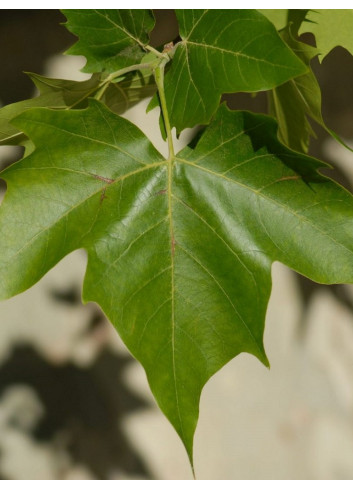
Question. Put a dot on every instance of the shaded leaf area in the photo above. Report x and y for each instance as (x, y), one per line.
(54, 93)
(68, 94)
(298, 101)
(83, 407)
(133, 88)
(233, 51)
(109, 39)
(179, 253)
(293, 102)
(331, 28)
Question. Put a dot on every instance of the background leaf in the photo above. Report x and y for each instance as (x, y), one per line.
(109, 39)
(331, 28)
(133, 88)
(179, 254)
(278, 16)
(281, 18)
(223, 51)
(54, 93)
(292, 102)
(68, 94)
(296, 102)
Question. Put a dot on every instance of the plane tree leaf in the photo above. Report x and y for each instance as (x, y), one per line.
(68, 94)
(331, 28)
(179, 250)
(109, 39)
(223, 51)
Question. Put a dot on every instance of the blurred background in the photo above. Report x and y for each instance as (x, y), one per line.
(75, 405)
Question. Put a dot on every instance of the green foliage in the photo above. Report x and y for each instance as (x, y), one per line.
(281, 18)
(293, 102)
(331, 28)
(255, 59)
(179, 248)
(68, 94)
(109, 39)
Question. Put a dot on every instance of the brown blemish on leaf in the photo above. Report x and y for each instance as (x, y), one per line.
(103, 196)
(292, 177)
(103, 179)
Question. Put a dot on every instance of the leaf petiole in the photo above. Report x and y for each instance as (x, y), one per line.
(156, 52)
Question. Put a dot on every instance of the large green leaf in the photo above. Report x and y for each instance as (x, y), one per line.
(109, 39)
(179, 251)
(331, 28)
(223, 51)
(67, 94)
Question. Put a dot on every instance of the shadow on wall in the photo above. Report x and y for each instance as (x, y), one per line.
(28, 38)
(81, 409)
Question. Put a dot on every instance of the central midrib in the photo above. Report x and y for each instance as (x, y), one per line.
(172, 252)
